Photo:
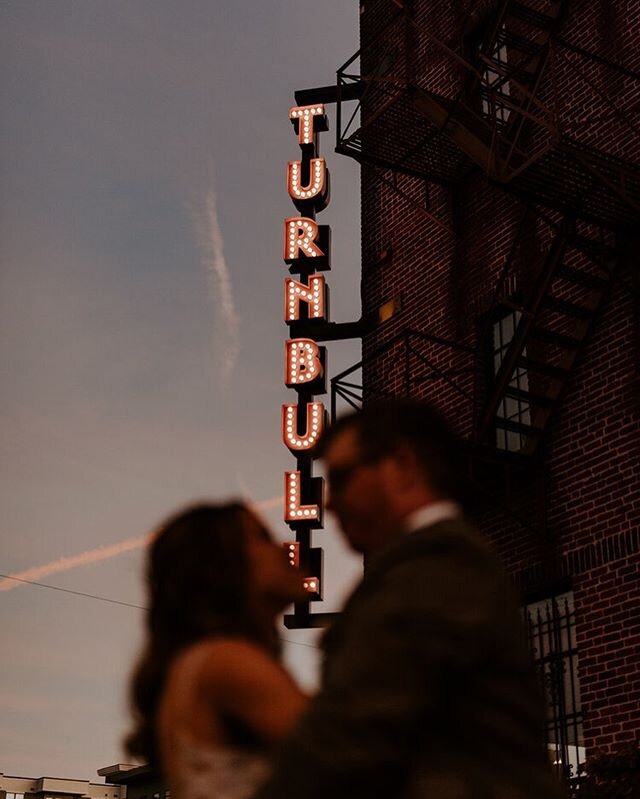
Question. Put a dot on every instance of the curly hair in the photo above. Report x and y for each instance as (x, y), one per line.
(198, 584)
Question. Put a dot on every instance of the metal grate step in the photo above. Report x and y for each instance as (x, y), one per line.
(593, 248)
(527, 14)
(528, 396)
(519, 43)
(520, 74)
(557, 339)
(526, 362)
(517, 427)
(567, 308)
(580, 278)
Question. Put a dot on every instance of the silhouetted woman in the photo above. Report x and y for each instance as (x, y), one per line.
(209, 694)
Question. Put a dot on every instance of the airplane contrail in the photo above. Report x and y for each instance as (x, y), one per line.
(74, 561)
(227, 327)
(35, 573)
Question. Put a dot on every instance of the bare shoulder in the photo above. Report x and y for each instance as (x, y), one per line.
(230, 661)
(242, 680)
(226, 661)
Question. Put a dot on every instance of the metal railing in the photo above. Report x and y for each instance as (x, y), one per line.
(551, 630)
(406, 346)
(508, 115)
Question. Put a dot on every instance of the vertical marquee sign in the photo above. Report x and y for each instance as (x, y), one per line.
(306, 251)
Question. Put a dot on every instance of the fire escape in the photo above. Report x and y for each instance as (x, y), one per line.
(499, 113)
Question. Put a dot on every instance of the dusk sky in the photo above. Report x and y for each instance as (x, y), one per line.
(143, 150)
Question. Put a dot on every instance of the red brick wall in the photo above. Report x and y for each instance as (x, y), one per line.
(609, 646)
(588, 487)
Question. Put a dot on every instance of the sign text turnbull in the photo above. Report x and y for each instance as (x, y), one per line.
(306, 251)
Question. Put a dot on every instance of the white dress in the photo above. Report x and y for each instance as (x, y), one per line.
(221, 773)
(200, 771)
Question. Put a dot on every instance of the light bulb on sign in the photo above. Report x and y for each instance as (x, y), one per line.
(293, 510)
(305, 116)
(313, 294)
(304, 365)
(316, 186)
(315, 417)
(300, 235)
(311, 584)
(292, 548)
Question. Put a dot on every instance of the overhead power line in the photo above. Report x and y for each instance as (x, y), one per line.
(113, 601)
(69, 591)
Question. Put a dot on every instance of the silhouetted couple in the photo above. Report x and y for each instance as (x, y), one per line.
(427, 686)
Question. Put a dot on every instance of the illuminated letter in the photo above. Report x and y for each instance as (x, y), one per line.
(316, 187)
(293, 510)
(313, 295)
(311, 585)
(303, 361)
(300, 233)
(303, 118)
(292, 549)
(315, 421)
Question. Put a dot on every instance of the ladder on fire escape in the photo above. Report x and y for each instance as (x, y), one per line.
(489, 121)
(554, 321)
(511, 65)
(515, 138)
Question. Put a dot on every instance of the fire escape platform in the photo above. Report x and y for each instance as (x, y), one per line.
(568, 175)
(403, 140)
(589, 183)
(416, 120)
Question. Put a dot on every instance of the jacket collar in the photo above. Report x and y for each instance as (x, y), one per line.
(433, 513)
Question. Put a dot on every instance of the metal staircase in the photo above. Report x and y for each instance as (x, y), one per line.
(555, 320)
(511, 63)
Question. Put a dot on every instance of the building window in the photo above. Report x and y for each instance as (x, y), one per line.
(495, 87)
(513, 407)
(551, 632)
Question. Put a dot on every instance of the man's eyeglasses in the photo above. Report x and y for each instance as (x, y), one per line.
(339, 476)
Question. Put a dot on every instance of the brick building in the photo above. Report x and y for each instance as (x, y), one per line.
(500, 150)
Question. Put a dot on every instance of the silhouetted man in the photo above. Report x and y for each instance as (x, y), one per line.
(428, 689)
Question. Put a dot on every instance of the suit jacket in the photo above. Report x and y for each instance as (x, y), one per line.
(428, 689)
